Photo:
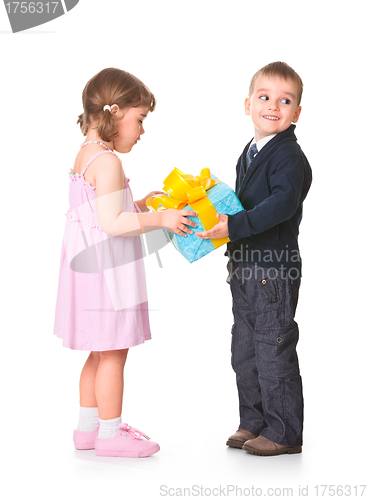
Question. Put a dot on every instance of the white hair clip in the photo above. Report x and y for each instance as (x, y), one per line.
(107, 107)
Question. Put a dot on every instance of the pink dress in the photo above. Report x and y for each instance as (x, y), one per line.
(102, 299)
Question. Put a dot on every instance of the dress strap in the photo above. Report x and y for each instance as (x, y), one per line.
(96, 156)
(93, 158)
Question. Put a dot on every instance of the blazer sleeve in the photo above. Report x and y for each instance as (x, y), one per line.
(286, 184)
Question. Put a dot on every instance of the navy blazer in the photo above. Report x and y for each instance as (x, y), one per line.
(272, 193)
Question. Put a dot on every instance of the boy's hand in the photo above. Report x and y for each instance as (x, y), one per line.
(219, 231)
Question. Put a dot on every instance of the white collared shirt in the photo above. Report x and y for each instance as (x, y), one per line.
(262, 142)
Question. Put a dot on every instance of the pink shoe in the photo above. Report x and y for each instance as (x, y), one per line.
(85, 440)
(126, 443)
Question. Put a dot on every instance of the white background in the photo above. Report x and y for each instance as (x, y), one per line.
(197, 58)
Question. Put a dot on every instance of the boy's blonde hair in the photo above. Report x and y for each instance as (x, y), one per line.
(282, 70)
(111, 86)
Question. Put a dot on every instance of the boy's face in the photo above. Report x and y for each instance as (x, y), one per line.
(272, 105)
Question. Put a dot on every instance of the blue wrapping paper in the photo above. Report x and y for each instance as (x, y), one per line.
(225, 202)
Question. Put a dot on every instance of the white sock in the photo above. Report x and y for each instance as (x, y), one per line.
(88, 419)
(109, 428)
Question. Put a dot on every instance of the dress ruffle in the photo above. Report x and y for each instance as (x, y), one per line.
(74, 218)
(75, 176)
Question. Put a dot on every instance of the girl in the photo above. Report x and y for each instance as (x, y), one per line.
(101, 300)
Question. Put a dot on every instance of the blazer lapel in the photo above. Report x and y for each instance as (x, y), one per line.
(250, 171)
(241, 168)
(265, 152)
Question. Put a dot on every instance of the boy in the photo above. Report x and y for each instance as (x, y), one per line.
(273, 179)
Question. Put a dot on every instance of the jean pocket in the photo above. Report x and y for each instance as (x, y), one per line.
(294, 285)
(271, 289)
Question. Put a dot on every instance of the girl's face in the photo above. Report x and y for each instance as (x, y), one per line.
(129, 128)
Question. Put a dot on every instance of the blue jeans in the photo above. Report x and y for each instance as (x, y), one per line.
(263, 349)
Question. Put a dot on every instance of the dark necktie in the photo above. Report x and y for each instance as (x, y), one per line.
(252, 151)
(249, 157)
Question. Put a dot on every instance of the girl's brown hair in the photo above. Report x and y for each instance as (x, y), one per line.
(281, 70)
(111, 86)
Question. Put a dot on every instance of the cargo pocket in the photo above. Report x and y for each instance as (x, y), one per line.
(276, 352)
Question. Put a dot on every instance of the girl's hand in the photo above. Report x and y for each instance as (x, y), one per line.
(221, 229)
(176, 221)
(142, 203)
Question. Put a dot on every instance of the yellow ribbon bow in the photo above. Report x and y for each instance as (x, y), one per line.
(185, 189)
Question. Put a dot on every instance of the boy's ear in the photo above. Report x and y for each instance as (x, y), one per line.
(247, 106)
(297, 114)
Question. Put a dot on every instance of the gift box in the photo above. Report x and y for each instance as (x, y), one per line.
(205, 194)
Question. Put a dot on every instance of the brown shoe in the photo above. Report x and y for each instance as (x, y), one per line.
(264, 447)
(238, 439)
